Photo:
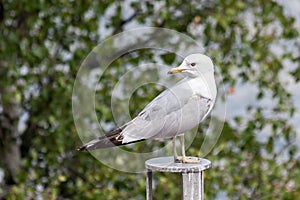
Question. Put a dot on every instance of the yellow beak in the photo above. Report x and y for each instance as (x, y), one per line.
(175, 70)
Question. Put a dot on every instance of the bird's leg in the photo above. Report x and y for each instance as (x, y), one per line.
(182, 147)
(185, 159)
(174, 149)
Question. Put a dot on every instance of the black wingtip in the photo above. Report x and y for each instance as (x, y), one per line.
(82, 148)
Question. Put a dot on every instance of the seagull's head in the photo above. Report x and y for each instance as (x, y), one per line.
(194, 65)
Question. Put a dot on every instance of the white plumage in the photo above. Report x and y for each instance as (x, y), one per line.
(173, 112)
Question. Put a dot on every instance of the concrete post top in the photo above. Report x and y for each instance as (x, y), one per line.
(167, 164)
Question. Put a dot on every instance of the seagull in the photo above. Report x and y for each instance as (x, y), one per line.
(173, 112)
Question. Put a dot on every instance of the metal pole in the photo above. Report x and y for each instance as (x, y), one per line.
(192, 186)
(192, 176)
(149, 185)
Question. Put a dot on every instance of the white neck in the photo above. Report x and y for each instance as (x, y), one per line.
(204, 85)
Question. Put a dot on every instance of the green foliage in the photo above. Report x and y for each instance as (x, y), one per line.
(42, 44)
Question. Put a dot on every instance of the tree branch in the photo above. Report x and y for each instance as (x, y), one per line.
(119, 28)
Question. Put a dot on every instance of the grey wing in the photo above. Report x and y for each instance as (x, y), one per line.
(172, 112)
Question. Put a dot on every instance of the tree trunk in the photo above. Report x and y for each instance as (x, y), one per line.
(10, 144)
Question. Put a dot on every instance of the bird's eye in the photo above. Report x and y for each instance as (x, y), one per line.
(193, 64)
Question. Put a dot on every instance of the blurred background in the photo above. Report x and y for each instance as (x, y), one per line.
(254, 44)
